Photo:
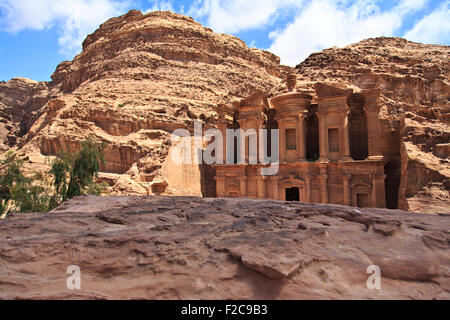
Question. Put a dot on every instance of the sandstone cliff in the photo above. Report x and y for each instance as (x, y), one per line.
(138, 78)
(192, 248)
(20, 100)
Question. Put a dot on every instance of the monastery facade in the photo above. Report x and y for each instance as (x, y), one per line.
(330, 148)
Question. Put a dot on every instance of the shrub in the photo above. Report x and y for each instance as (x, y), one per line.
(73, 175)
(21, 193)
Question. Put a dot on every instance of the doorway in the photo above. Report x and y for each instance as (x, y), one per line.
(292, 194)
(392, 184)
(359, 145)
(362, 200)
(312, 137)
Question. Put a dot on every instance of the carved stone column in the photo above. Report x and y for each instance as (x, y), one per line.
(372, 109)
(261, 186)
(252, 117)
(374, 135)
(282, 132)
(223, 129)
(345, 152)
(243, 124)
(381, 184)
(220, 186)
(301, 137)
(243, 186)
(323, 145)
(323, 178)
(308, 188)
(289, 109)
(373, 198)
(259, 138)
(347, 189)
(378, 191)
(275, 188)
(323, 188)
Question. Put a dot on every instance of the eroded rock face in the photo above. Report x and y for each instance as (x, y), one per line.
(20, 101)
(415, 99)
(192, 248)
(138, 79)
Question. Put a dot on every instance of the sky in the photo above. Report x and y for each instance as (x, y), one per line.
(35, 36)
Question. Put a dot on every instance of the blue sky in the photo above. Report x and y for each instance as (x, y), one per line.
(36, 36)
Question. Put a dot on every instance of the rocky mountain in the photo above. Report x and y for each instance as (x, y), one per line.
(192, 248)
(139, 77)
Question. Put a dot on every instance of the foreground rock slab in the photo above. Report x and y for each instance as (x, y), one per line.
(193, 248)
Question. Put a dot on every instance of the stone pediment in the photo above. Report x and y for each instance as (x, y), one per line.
(259, 98)
(233, 185)
(291, 101)
(360, 185)
(225, 111)
(291, 181)
(331, 90)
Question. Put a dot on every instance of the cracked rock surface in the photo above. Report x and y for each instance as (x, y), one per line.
(193, 248)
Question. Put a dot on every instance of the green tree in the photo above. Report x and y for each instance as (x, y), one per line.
(11, 175)
(74, 175)
(30, 194)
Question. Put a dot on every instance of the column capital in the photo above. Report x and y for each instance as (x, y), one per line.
(261, 178)
(378, 176)
(222, 125)
(321, 114)
(372, 112)
(346, 111)
(303, 115)
(242, 178)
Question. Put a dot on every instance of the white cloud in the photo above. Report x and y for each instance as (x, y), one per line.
(315, 24)
(75, 19)
(232, 16)
(434, 28)
(326, 23)
(161, 5)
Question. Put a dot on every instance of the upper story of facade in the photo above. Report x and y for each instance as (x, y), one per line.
(331, 124)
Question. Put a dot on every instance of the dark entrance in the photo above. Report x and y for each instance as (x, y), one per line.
(312, 137)
(392, 184)
(362, 200)
(359, 148)
(292, 194)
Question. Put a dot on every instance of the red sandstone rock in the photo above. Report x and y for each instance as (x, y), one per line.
(192, 248)
(138, 79)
